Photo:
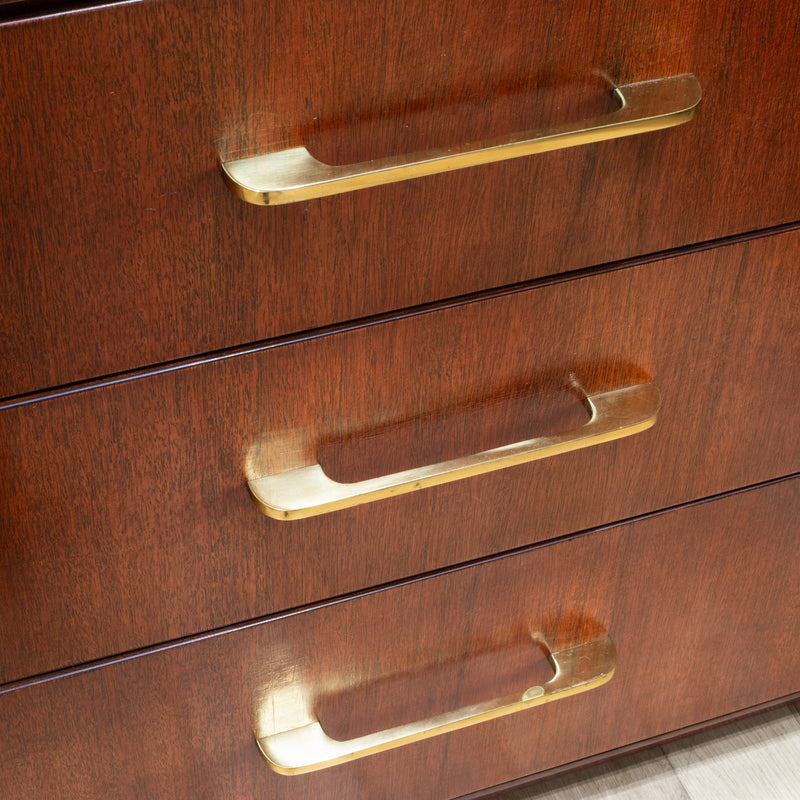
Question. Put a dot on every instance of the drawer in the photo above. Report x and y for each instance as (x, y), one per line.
(127, 519)
(702, 605)
(122, 247)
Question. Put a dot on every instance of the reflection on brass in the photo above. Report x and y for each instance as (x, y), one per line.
(292, 175)
(308, 491)
(308, 748)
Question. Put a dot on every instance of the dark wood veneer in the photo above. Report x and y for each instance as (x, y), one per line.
(161, 341)
(120, 247)
(621, 752)
(126, 518)
(678, 592)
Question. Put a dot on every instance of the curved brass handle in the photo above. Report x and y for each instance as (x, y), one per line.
(309, 748)
(308, 491)
(288, 176)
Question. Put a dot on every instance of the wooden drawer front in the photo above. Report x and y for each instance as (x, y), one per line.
(703, 605)
(121, 247)
(127, 520)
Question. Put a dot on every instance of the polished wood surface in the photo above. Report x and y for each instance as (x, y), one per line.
(120, 246)
(161, 342)
(703, 604)
(126, 517)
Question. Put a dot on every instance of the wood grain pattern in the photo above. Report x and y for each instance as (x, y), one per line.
(608, 759)
(752, 759)
(702, 603)
(126, 519)
(122, 248)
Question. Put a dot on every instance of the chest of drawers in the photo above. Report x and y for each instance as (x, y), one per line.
(551, 401)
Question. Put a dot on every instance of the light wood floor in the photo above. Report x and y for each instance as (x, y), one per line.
(755, 759)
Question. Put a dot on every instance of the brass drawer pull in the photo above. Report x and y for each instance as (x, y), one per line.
(308, 491)
(292, 175)
(309, 748)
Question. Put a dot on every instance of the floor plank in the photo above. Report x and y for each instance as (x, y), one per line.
(643, 775)
(753, 759)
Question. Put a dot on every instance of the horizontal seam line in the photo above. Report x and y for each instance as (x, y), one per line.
(223, 354)
(213, 633)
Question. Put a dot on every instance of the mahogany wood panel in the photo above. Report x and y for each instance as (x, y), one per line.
(630, 750)
(702, 603)
(126, 519)
(120, 247)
